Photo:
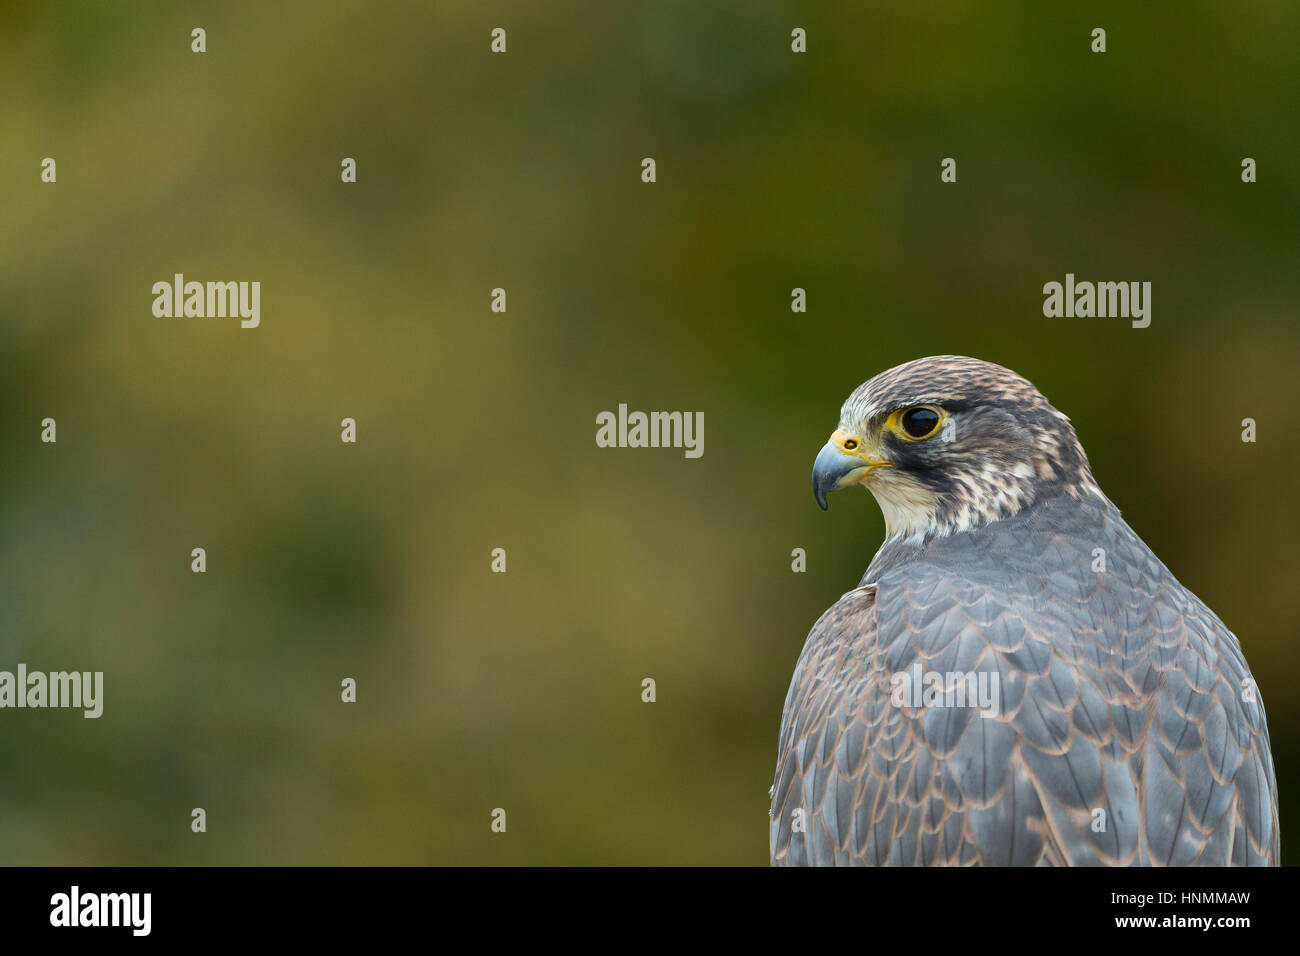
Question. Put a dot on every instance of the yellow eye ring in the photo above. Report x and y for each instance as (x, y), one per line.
(850, 444)
(916, 423)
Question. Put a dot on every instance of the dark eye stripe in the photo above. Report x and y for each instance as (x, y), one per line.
(919, 422)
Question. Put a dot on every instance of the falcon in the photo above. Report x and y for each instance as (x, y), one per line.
(1017, 680)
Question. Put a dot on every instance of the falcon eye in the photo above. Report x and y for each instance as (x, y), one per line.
(919, 423)
(850, 444)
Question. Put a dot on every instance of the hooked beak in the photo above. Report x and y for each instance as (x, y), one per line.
(835, 469)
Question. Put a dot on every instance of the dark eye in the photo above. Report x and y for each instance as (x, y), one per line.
(919, 422)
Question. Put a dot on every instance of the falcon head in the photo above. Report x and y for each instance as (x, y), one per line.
(949, 443)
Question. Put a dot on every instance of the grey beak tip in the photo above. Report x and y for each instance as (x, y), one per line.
(827, 470)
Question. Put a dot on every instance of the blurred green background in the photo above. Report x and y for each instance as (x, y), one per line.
(476, 430)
